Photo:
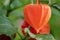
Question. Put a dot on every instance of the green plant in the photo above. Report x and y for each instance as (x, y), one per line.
(12, 17)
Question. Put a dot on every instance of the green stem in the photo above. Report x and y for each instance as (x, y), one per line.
(19, 35)
(23, 38)
(26, 37)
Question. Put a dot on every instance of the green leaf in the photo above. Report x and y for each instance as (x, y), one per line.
(19, 3)
(55, 23)
(57, 6)
(17, 37)
(16, 14)
(44, 37)
(57, 1)
(44, 1)
(15, 3)
(25, 2)
(1, 2)
(6, 27)
(6, 2)
(2, 12)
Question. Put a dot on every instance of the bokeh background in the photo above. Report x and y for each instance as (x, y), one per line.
(12, 17)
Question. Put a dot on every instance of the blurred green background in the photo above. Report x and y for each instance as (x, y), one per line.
(11, 17)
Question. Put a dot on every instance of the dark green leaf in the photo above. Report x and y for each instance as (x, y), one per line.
(57, 6)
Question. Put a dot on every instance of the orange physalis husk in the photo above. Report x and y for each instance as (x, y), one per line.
(37, 15)
(45, 29)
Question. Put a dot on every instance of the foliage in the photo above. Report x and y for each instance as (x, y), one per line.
(11, 14)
